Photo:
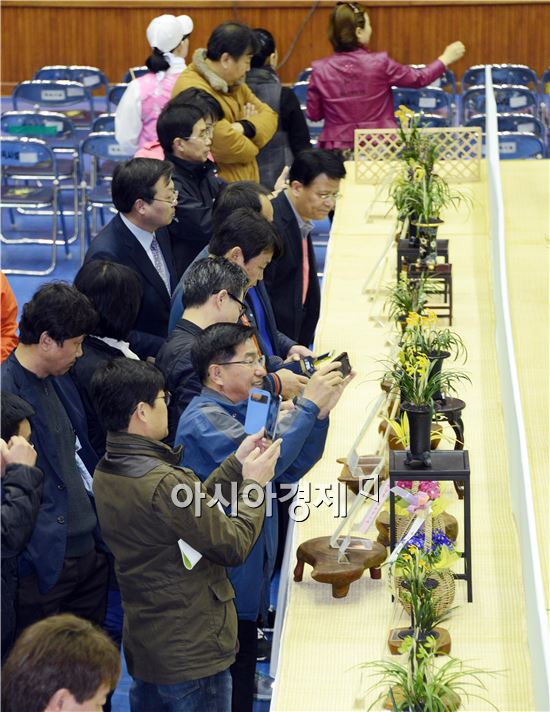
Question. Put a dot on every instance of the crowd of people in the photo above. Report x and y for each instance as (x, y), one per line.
(134, 504)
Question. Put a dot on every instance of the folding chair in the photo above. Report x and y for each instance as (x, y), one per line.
(115, 94)
(57, 131)
(104, 153)
(134, 73)
(512, 144)
(315, 128)
(430, 100)
(522, 123)
(519, 74)
(92, 77)
(62, 95)
(304, 75)
(52, 72)
(31, 160)
(300, 89)
(545, 96)
(510, 99)
(104, 122)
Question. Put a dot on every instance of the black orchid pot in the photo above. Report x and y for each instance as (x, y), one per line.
(420, 425)
(436, 360)
(412, 232)
(427, 239)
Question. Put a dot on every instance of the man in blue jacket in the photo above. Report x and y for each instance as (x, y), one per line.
(228, 363)
(60, 568)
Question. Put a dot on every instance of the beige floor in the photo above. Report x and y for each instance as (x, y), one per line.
(324, 639)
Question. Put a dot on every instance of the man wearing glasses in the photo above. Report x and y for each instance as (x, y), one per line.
(144, 195)
(291, 280)
(229, 365)
(214, 291)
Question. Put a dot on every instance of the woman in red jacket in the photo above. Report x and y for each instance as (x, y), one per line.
(352, 88)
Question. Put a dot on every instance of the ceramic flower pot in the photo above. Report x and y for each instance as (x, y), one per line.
(420, 425)
(436, 361)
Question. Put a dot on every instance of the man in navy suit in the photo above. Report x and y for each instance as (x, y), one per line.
(143, 193)
(291, 279)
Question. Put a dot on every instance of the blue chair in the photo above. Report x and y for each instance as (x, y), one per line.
(92, 77)
(520, 123)
(315, 128)
(103, 153)
(134, 73)
(545, 96)
(300, 89)
(71, 98)
(115, 94)
(58, 132)
(510, 99)
(304, 75)
(447, 81)
(104, 122)
(513, 144)
(519, 74)
(428, 100)
(27, 163)
(52, 72)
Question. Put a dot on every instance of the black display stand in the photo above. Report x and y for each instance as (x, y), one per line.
(447, 465)
(408, 254)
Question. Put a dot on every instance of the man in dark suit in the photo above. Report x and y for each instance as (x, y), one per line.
(291, 279)
(143, 193)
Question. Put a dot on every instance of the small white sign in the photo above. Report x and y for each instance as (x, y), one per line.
(52, 95)
(427, 102)
(527, 127)
(516, 101)
(507, 147)
(75, 91)
(115, 150)
(89, 81)
(28, 157)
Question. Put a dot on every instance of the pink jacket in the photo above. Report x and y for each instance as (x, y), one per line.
(352, 90)
(154, 95)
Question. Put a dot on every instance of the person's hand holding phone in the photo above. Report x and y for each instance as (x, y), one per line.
(319, 389)
(292, 384)
(260, 466)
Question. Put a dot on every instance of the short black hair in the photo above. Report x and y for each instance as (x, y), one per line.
(208, 104)
(209, 276)
(60, 310)
(312, 162)
(266, 47)
(135, 179)
(115, 292)
(217, 344)
(177, 121)
(117, 387)
(235, 38)
(241, 194)
(248, 230)
(13, 410)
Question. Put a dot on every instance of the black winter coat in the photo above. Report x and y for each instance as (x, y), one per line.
(21, 495)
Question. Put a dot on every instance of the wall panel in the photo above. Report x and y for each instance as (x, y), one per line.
(112, 35)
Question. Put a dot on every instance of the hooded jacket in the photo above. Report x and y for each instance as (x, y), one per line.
(234, 153)
(352, 90)
(179, 624)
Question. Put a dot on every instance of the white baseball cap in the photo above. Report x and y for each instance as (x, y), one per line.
(165, 32)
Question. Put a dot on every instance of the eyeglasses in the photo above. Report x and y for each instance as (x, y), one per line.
(255, 363)
(167, 397)
(206, 133)
(244, 307)
(333, 197)
(172, 201)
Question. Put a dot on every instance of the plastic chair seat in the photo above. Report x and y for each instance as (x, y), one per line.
(28, 196)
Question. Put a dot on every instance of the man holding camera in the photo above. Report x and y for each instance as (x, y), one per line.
(227, 361)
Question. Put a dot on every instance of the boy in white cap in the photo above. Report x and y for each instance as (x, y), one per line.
(138, 110)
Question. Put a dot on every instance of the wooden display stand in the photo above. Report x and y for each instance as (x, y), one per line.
(327, 569)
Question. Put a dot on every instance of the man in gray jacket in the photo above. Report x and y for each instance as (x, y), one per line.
(171, 543)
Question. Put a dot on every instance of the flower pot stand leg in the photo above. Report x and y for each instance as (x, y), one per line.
(451, 409)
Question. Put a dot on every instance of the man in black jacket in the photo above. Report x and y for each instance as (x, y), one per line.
(21, 494)
(291, 279)
(185, 133)
(60, 568)
(143, 193)
(214, 291)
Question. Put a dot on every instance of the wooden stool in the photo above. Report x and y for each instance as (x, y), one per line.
(408, 255)
(326, 568)
(441, 273)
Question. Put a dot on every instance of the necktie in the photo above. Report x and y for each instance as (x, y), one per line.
(159, 263)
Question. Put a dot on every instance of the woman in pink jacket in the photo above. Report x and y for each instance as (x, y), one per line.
(139, 108)
(352, 88)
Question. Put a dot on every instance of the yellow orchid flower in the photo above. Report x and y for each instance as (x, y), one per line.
(413, 319)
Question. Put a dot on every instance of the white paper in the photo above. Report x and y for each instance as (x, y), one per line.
(115, 150)
(28, 157)
(89, 81)
(52, 94)
(189, 556)
(507, 147)
(75, 91)
(516, 101)
(530, 127)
